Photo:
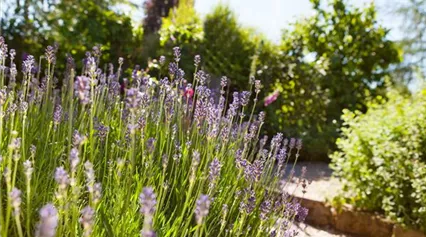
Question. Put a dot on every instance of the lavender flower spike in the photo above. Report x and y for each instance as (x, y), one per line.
(147, 200)
(82, 87)
(197, 60)
(87, 219)
(214, 171)
(48, 221)
(202, 208)
(15, 197)
(61, 177)
(177, 53)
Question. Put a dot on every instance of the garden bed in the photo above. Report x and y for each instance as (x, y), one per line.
(324, 187)
(353, 222)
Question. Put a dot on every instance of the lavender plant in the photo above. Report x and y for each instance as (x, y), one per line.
(94, 156)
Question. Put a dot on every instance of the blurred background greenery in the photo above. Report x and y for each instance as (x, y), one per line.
(338, 58)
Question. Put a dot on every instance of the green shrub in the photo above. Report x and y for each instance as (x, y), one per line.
(228, 47)
(382, 158)
(182, 28)
(299, 108)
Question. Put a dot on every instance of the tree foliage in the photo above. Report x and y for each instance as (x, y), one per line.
(413, 42)
(76, 26)
(155, 10)
(333, 60)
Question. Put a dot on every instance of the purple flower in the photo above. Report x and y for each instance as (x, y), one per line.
(48, 221)
(285, 142)
(13, 73)
(176, 54)
(77, 139)
(257, 86)
(3, 48)
(12, 53)
(82, 87)
(91, 66)
(148, 202)
(299, 144)
(290, 233)
(15, 197)
(28, 169)
(162, 60)
(257, 169)
(148, 233)
(245, 98)
(102, 131)
(223, 81)
(173, 68)
(3, 96)
(302, 213)
(61, 177)
(282, 153)
(74, 159)
(214, 171)
(87, 219)
(50, 54)
(90, 176)
(97, 193)
(233, 108)
(201, 77)
(133, 98)
(262, 117)
(197, 60)
(150, 144)
(96, 51)
(239, 161)
(292, 143)
(28, 64)
(33, 150)
(265, 209)
(276, 140)
(248, 205)
(23, 106)
(165, 160)
(57, 114)
(202, 208)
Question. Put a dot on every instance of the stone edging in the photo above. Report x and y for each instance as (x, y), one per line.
(353, 222)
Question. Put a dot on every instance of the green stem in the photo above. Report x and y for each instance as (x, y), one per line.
(18, 225)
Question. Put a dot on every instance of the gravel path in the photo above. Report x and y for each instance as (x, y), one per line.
(322, 185)
(311, 231)
(321, 188)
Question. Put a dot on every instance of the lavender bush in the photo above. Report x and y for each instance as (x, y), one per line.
(95, 154)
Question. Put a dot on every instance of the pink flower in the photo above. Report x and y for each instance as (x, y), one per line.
(189, 92)
(271, 98)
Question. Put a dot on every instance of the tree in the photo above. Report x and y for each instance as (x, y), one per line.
(228, 47)
(340, 57)
(155, 10)
(413, 42)
(76, 26)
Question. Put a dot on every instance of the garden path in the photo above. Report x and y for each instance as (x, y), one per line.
(322, 187)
